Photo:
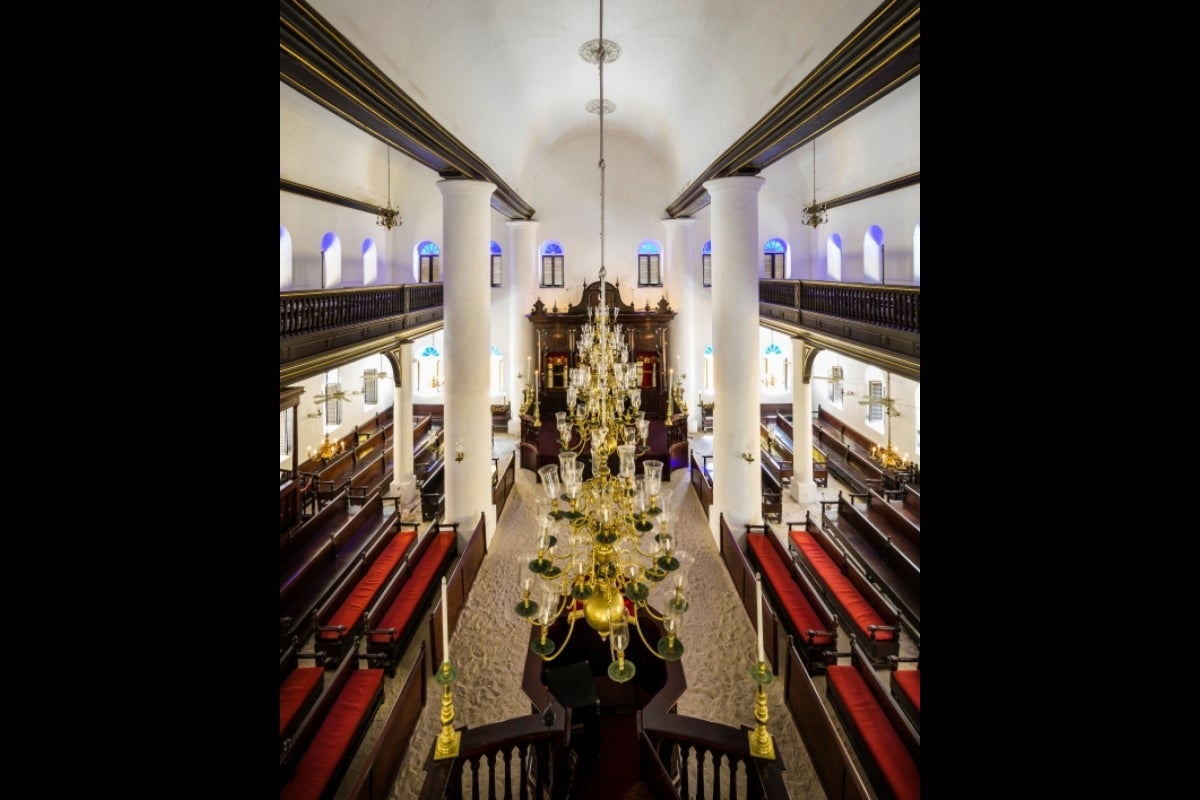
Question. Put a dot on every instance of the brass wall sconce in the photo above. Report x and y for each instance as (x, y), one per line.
(458, 451)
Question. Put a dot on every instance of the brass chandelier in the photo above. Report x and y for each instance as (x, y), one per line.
(815, 214)
(389, 217)
(604, 550)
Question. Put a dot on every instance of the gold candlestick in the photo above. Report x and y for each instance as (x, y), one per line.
(762, 745)
(448, 739)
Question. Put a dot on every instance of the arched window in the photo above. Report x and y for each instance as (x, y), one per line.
(706, 263)
(873, 255)
(917, 259)
(649, 264)
(553, 264)
(429, 263)
(497, 265)
(370, 262)
(775, 369)
(429, 370)
(285, 259)
(775, 259)
(833, 257)
(331, 261)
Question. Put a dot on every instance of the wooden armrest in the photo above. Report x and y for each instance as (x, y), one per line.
(391, 633)
(810, 634)
(340, 629)
(872, 629)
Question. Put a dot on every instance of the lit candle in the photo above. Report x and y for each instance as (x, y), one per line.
(758, 595)
(446, 627)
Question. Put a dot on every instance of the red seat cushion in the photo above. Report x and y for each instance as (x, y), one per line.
(908, 681)
(297, 692)
(332, 741)
(886, 749)
(401, 609)
(352, 608)
(862, 612)
(796, 607)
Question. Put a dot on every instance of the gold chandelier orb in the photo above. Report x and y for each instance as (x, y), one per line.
(603, 609)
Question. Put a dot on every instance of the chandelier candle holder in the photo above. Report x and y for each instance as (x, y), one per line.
(889, 458)
(327, 450)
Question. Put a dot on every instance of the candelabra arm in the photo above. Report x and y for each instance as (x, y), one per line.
(562, 648)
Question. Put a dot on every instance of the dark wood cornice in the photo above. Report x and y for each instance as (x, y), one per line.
(328, 197)
(315, 60)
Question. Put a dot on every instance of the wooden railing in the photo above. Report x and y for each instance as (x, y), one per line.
(322, 322)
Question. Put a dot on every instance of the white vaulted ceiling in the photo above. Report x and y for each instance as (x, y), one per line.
(505, 78)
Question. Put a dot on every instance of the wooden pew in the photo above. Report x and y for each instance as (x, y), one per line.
(339, 618)
(299, 688)
(905, 686)
(308, 578)
(832, 761)
(806, 617)
(772, 495)
(314, 761)
(888, 558)
(702, 481)
(458, 589)
(394, 617)
(899, 515)
(382, 765)
(887, 744)
(733, 555)
(861, 606)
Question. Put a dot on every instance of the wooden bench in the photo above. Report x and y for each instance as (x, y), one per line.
(339, 618)
(831, 759)
(382, 764)
(314, 761)
(772, 495)
(299, 688)
(806, 616)
(862, 609)
(702, 481)
(733, 555)
(309, 577)
(393, 618)
(888, 558)
(905, 685)
(887, 744)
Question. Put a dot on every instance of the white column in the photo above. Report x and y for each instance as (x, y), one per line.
(402, 416)
(736, 259)
(466, 237)
(803, 488)
(524, 272)
(682, 273)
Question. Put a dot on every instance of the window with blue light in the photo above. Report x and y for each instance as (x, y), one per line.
(497, 272)
(430, 269)
(775, 259)
(706, 263)
(649, 264)
(553, 265)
